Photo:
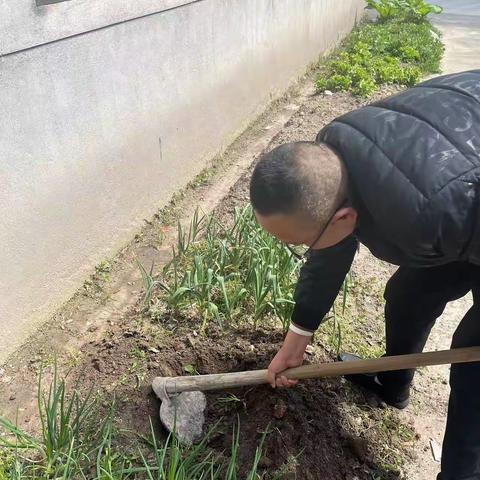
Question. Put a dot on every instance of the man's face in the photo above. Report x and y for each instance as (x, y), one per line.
(296, 230)
(289, 229)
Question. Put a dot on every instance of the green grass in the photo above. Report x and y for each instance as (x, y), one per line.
(351, 328)
(396, 51)
(72, 445)
(94, 286)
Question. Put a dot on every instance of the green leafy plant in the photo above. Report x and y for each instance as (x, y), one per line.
(190, 369)
(392, 52)
(148, 282)
(385, 8)
(408, 10)
(227, 273)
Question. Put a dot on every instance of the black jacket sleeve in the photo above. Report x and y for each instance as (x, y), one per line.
(320, 280)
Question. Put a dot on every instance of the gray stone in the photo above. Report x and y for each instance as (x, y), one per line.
(184, 415)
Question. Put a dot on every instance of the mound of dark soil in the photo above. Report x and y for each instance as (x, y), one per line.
(307, 432)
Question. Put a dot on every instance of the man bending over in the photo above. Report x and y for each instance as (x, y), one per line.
(401, 176)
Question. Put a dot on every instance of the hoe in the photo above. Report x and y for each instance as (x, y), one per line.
(183, 400)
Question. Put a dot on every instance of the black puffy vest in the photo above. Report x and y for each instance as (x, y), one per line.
(414, 171)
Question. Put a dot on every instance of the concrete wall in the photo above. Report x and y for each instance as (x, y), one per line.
(110, 106)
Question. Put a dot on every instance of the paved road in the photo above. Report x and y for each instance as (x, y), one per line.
(459, 7)
(460, 25)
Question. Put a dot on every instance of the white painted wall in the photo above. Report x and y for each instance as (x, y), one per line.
(99, 127)
(25, 25)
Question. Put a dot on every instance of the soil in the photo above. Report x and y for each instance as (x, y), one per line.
(308, 434)
(320, 430)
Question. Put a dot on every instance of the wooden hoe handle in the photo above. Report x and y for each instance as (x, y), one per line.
(222, 381)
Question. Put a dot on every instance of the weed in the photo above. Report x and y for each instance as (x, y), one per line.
(94, 286)
(148, 282)
(353, 329)
(230, 398)
(288, 467)
(137, 353)
(190, 369)
(231, 401)
(103, 270)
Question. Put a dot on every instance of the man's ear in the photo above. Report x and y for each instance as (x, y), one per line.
(346, 214)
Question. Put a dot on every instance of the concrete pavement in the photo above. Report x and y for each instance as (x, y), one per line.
(460, 25)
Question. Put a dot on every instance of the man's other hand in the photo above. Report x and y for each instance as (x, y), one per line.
(290, 355)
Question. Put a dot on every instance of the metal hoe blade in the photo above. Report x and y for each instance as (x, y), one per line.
(182, 413)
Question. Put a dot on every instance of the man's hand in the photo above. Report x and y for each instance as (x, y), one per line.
(290, 355)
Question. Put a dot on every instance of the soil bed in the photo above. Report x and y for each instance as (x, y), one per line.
(309, 431)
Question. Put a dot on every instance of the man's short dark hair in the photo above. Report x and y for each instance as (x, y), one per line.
(300, 177)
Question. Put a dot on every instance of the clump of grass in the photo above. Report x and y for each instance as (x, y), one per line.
(398, 50)
(72, 445)
(56, 453)
(94, 286)
(353, 328)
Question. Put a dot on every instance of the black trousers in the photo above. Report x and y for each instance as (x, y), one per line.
(415, 298)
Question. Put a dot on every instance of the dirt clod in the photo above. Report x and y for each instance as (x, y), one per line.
(265, 462)
(279, 410)
(359, 447)
(97, 365)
